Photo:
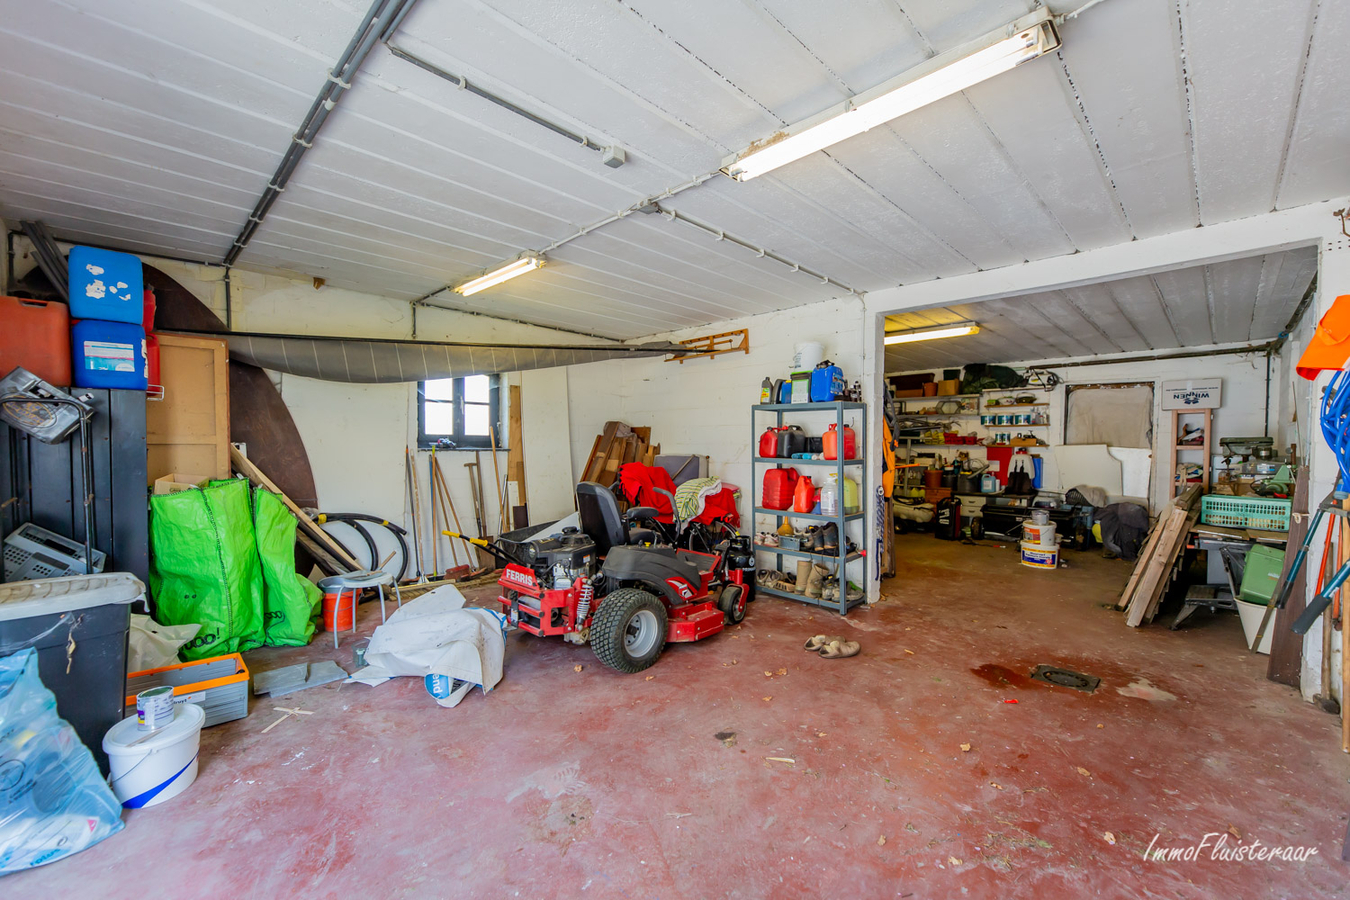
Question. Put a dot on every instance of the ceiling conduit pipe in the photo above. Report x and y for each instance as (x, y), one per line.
(383, 17)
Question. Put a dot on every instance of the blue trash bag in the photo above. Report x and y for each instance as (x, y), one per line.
(53, 801)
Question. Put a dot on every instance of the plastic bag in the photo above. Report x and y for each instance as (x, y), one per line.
(54, 802)
(290, 601)
(204, 567)
(151, 645)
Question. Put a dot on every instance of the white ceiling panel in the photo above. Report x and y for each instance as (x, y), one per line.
(1315, 166)
(1239, 107)
(1240, 301)
(154, 125)
(1126, 70)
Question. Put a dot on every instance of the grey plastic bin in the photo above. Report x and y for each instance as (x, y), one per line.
(78, 625)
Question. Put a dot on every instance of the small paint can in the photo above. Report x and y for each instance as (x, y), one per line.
(154, 708)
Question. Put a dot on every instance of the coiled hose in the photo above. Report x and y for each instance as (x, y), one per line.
(355, 520)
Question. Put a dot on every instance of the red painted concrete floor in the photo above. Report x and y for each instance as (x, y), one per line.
(593, 784)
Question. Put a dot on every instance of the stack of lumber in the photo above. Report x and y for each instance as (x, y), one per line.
(616, 445)
(1153, 572)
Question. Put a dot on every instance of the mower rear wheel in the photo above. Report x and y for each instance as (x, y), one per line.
(628, 630)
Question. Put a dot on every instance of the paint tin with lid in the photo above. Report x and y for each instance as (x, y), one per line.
(154, 708)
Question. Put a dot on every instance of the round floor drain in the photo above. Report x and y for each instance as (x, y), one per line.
(1066, 678)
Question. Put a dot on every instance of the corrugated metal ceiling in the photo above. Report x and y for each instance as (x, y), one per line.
(1242, 301)
(153, 125)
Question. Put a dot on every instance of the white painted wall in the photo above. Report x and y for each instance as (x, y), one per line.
(545, 424)
(703, 405)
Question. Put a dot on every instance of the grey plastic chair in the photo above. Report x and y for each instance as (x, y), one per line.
(356, 582)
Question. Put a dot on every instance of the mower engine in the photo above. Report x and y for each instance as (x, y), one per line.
(550, 588)
(560, 561)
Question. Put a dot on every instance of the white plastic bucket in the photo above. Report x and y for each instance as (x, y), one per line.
(149, 768)
(1041, 535)
(1251, 615)
(807, 356)
(1036, 556)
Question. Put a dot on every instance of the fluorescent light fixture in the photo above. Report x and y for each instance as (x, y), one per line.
(501, 273)
(932, 334)
(941, 76)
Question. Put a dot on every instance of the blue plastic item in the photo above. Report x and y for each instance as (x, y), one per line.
(56, 802)
(827, 382)
(106, 285)
(108, 355)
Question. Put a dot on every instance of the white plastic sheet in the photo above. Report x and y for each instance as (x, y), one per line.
(434, 635)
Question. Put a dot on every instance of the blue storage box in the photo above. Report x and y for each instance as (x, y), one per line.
(106, 285)
(108, 355)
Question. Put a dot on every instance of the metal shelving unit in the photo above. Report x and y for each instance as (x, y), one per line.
(838, 409)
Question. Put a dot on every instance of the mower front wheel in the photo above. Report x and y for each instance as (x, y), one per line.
(628, 631)
(732, 602)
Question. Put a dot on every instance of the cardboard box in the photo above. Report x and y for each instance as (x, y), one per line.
(948, 388)
(176, 481)
(933, 495)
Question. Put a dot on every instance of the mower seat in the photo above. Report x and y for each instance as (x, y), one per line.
(603, 523)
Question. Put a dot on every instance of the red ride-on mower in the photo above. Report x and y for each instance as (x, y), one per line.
(605, 585)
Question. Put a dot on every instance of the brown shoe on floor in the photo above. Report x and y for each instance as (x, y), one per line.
(814, 644)
(840, 649)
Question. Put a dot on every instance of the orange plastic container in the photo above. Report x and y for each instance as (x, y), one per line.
(804, 496)
(36, 335)
(340, 615)
(829, 442)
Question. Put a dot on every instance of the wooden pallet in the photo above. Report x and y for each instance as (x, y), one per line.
(1153, 572)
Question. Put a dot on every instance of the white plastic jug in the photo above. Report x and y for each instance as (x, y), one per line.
(851, 502)
(829, 497)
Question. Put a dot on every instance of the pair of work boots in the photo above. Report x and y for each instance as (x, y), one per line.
(811, 579)
(822, 539)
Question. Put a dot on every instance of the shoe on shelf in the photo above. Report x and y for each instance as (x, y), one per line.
(830, 538)
(817, 539)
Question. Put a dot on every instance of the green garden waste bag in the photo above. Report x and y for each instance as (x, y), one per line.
(204, 567)
(290, 601)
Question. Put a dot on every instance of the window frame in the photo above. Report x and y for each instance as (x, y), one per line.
(462, 441)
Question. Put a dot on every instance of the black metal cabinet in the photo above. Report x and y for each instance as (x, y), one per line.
(40, 483)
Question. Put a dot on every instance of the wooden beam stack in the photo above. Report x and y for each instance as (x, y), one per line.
(1153, 572)
(615, 445)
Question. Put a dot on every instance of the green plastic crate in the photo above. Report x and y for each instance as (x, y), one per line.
(1262, 513)
(1263, 568)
